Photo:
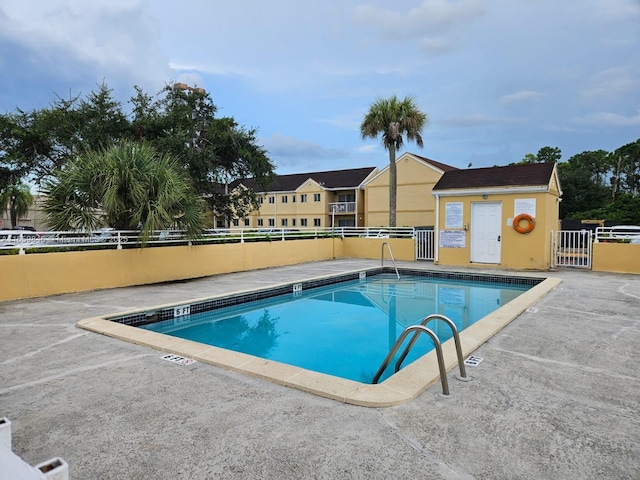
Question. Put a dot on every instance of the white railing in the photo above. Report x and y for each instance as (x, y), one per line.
(342, 207)
(28, 241)
(425, 249)
(571, 248)
(618, 234)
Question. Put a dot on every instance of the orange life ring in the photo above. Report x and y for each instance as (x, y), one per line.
(530, 223)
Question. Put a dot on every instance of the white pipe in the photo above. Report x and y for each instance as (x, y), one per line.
(436, 236)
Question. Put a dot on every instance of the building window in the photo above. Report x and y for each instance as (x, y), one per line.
(347, 198)
(260, 200)
(303, 222)
(316, 197)
(293, 222)
(272, 199)
(293, 199)
(235, 222)
(283, 222)
(246, 222)
(303, 198)
(272, 222)
(316, 222)
(284, 199)
(260, 222)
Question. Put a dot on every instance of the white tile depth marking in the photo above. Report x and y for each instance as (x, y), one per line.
(473, 361)
(178, 359)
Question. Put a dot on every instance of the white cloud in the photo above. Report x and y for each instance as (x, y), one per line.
(521, 96)
(349, 121)
(437, 46)
(613, 82)
(608, 119)
(430, 15)
(284, 147)
(474, 120)
(615, 9)
(109, 38)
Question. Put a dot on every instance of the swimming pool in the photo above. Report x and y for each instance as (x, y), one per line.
(344, 329)
(397, 389)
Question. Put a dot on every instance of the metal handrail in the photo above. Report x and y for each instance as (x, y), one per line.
(392, 259)
(418, 329)
(456, 340)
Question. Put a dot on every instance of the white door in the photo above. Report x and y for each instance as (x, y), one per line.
(486, 232)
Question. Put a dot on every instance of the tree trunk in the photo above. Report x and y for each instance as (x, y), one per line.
(13, 213)
(392, 186)
(616, 179)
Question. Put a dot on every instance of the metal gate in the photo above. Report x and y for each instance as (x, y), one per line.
(424, 245)
(571, 248)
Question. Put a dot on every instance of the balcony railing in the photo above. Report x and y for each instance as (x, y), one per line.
(342, 207)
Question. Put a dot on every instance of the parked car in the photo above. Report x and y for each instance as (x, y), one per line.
(631, 232)
(14, 238)
(22, 227)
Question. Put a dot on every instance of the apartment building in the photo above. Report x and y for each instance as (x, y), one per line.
(415, 205)
(315, 199)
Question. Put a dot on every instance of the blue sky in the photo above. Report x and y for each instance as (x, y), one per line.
(497, 78)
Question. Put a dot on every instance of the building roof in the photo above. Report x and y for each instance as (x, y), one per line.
(332, 179)
(442, 166)
(530, 174)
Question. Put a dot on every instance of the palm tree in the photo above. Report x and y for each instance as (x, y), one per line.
(394, 118)
(18, 198)
(129, 186)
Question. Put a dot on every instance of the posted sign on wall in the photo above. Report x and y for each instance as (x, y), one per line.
(524, 205)
(453, 239)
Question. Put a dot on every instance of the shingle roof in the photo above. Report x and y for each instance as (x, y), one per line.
(531, 174)
(442, 166)
(333, 179)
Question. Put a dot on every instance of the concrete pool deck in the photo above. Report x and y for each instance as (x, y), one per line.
(400, 388)
(556, 396)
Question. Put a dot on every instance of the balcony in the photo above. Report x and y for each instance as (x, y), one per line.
(342, 207)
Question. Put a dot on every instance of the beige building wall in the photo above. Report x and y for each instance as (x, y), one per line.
(34, 217)
(307, 207)
(517, 251)
(415, 205)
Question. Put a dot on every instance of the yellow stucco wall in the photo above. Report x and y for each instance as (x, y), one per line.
(415, 204)
(402, 248)
(36, 275)
(616, 257)
(518, 251)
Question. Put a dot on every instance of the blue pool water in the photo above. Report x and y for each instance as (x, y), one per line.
(344, 329)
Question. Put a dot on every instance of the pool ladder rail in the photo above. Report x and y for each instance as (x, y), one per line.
(393, 260)
(417, 330)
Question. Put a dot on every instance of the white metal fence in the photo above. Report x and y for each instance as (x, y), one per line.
(424, 240)
(571, 248)
(24, 241)
(618, 234)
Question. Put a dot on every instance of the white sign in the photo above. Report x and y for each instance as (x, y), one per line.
(453, 215)
(453, 238)
(524, 205)
(181, 310)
